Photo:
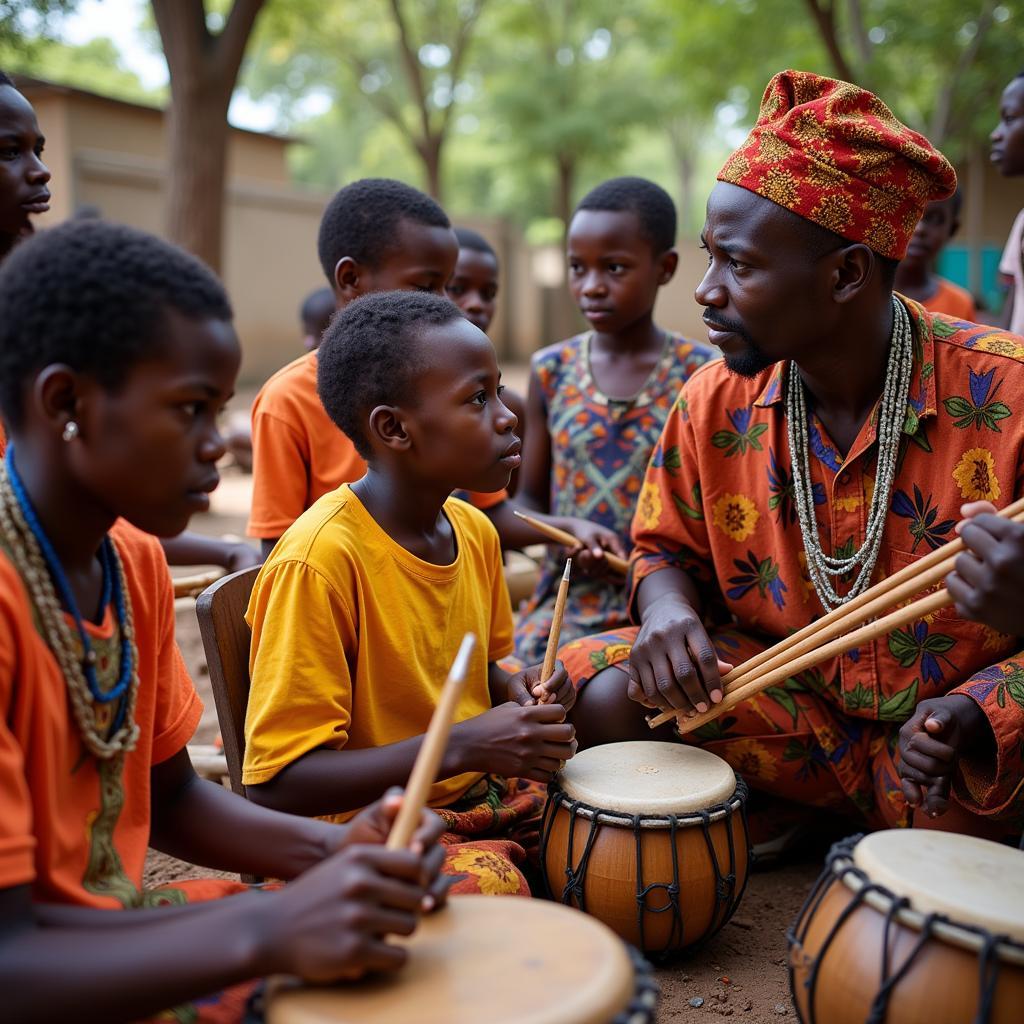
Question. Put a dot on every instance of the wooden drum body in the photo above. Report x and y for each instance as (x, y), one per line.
(912, 925)
(505, 960)
(651, 839)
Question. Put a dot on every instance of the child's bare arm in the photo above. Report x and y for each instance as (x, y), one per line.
(332, 923)
(203, 823)
(510, 740)
(190, 548)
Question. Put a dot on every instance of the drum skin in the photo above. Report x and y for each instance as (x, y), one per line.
(501, 959)
(941, 984)
(610, 880)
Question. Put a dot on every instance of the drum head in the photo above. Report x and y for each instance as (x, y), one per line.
(972, 881)
(644, 777)
(506, 960)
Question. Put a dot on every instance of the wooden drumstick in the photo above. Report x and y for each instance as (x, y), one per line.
(428, 760)
(620, 565)
(556, 630)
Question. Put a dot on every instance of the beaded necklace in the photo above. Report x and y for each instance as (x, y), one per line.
(40, 568)
(891, 417)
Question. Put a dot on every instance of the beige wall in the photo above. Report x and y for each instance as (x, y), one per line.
(111, 155)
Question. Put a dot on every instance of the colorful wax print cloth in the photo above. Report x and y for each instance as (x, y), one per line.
(492, 836)
(600, 448)
(718, 502)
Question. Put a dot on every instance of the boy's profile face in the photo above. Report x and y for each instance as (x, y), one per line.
(421, 259)
(936, 227)
(474, 286)
(462, 435)
(23, 175)
(614, 273)
(148, 450)
(1008, 137)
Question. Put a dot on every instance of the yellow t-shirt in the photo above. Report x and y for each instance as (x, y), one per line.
(353, 636)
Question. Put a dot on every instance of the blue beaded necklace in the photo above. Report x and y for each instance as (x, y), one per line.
(111, 591)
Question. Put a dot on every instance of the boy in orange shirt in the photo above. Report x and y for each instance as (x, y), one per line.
(116, 356)
(915, 275)
(376, 235)
(360, 609)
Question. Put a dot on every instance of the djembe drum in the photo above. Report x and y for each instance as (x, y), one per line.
(502, 960)
(651, 839)
(912, 925)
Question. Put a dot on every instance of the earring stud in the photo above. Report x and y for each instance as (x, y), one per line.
(70, 431)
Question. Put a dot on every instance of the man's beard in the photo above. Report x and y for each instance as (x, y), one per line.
(752, 360)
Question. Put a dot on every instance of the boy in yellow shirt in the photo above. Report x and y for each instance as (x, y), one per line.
(360, 609)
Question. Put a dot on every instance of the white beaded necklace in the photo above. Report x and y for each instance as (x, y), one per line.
(891, 417)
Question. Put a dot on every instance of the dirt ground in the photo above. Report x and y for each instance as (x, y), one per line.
(741, 973)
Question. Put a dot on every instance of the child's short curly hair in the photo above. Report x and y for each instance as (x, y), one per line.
(370, 356)
(651, 204)
(361, 221)
(94, 295)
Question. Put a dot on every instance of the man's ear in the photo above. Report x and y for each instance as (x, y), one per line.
(387, 427)
(852, 267)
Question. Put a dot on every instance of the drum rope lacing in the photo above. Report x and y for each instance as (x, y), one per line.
(838, 866)
(726, 896)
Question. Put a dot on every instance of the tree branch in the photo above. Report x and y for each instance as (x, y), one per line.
(231, 41)
(460, 47)
(944, 104)
(411, 61)
(824, 14)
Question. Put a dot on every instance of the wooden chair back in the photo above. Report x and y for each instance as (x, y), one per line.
(221, 613)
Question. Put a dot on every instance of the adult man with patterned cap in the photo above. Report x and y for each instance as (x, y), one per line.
(836, 442)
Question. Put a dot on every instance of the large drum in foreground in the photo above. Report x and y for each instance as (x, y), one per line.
(909, 926)
(651, 839)
(504, 960)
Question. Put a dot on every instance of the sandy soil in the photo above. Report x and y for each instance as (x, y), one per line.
(741, 973)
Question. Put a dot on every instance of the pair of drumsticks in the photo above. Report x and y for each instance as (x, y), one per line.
(428, 760)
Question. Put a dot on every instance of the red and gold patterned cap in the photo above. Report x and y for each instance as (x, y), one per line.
(836, 155)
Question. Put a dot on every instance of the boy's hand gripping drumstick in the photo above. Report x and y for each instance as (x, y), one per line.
(556, 630)
(620, 565)
(428, 760)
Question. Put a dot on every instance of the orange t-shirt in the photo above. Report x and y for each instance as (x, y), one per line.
(299, 454)
(952, 300)
(72, 840)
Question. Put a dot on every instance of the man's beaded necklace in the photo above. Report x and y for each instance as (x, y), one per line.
(39, 567)
(892, 413)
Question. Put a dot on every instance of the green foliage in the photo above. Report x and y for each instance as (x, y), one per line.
(23, 23)
(522, 106)
(95, 65)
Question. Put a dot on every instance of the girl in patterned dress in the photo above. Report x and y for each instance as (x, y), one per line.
(597, 401)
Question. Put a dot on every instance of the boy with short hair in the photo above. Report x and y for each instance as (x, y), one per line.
(376, 235)
(916, 277)
(358, 613)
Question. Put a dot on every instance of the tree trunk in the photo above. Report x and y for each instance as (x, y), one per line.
(203, 70)
(430, 153)
(197, 131)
